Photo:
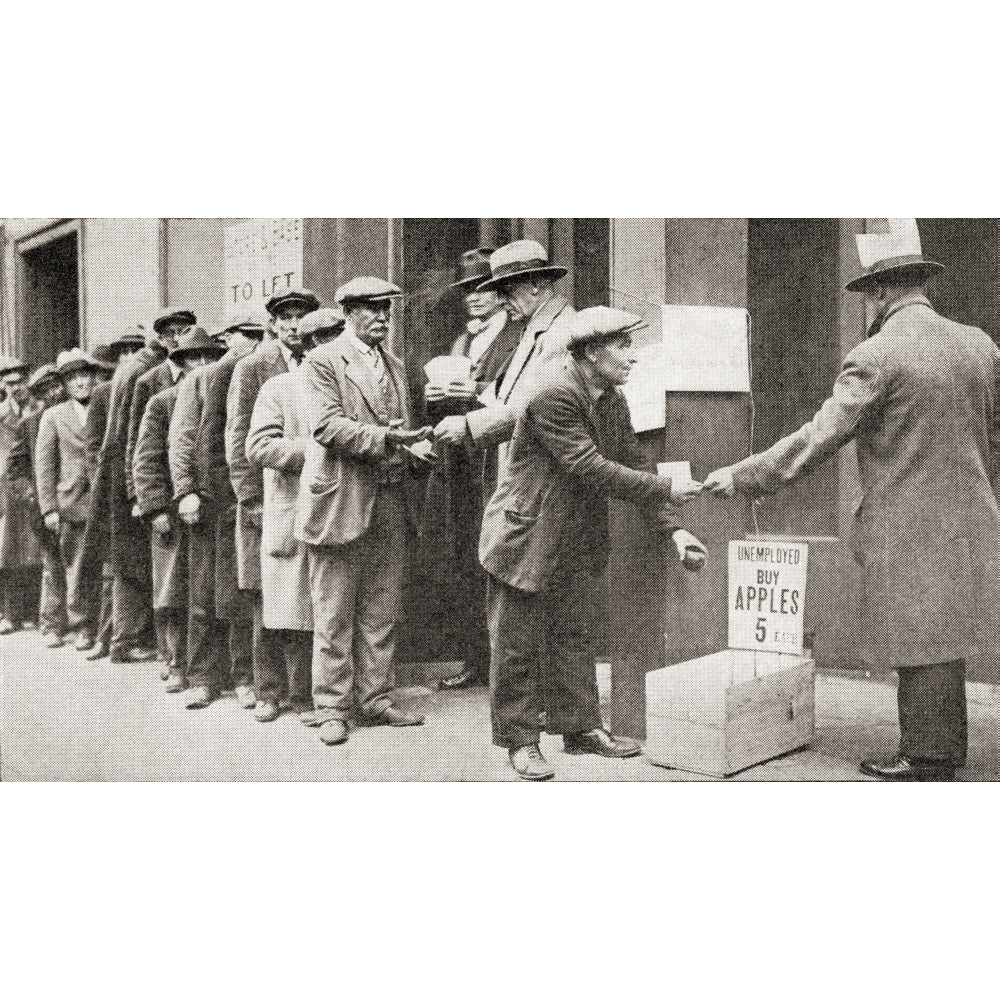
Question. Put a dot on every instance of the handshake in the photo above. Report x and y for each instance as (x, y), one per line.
(719, 483)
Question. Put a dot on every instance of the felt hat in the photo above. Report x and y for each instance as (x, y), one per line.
(600, 323)
(292, 296)
(473, 269)
(322, 321)
(174, 316)
(9, 364)
(196, 340)
(520, 259)
(131, 340)
(41, 378)
(73, 360)
(104, 357)
(365, 290)
(892, 249)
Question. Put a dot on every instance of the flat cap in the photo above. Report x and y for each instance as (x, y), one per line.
(292, 296)
(321, 321)
(249, 324)
(174, 316)
(73, 360)
(42, 377)
(602, 323)
(366, 290)
(9, 364)
(196, 340)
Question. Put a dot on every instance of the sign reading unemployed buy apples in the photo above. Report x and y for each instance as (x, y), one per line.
(767, 589)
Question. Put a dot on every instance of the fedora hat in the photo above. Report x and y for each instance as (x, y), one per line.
(196, 340)
(130, 340)
(292, 296)
(893, 249)
(366, 289)
(73, 360)
(473, 269)
(599, 323)
(104, 357)
(520, 259)
(174, 316)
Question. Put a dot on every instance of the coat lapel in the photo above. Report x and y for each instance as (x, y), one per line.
(359, 372)
(537, 325)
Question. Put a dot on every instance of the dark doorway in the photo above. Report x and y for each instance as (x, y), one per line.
(50, 300)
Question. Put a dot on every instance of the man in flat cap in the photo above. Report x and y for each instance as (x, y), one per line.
(208, 660)
(132, 630)
(277, 442)
(545, 542)
(20, 555)
(282, 352)
(355, 511)
(97, 569)
(155, 503)
(63, 484)
(920, 398)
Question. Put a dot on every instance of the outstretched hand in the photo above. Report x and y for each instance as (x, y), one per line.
(397, 435)
(691, 553)
(721, 482)
(452, 430)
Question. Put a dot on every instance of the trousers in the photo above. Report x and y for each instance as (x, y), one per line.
(52, 603)
(19, 592)
(542, 661)
(132, 592)
(82, 601)
(356, 593)
(933, 716)
(282, 661)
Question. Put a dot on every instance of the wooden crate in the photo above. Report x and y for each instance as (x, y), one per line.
(722, 713)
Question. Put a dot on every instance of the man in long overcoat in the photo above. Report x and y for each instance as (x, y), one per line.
(282, 352)
(919, 398)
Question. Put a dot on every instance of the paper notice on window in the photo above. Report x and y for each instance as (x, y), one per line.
(705, 349)
(644, 390)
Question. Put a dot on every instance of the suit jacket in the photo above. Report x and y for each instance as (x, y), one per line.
(96, 538)
(547, 332)
(61, 474)
(183, 437)
(573, 449)
(920, 400)
(18, 543)
(147, 385)
(151, 466)
(21, 465)
(249, 374)
(341, 473)
(277, 443)
(96, 426)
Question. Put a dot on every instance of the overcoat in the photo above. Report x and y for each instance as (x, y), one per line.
(340, 477)
(249, 375)
(155, 495)
(97, 535)
(19, 547)
(61, 464)
(919, 398)
(277, 443)
(147, 386)
(573, 449)
(22, 464)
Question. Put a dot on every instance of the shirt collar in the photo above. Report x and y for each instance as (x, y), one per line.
(176, 370)
(592, 386)
(360, 344)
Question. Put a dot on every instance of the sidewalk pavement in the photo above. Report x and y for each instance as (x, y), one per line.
(64, 719)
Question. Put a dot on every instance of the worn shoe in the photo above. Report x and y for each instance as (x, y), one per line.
(467, 678)
(84, 641)
(333, 732)
(53, 640)
(266, 711)
(6, 627)
(175, 683)
(530, 764)
(599, 741)
(909, 769)
(393, 716)
(200, 697)
(245, 696)
(99, 652)
(137, 654)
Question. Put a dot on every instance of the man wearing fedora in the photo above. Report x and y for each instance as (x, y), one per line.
(919, 398)
(132, 612)
(282, 351)
(155, 504)
(208, 655)
(20, 555)
(545, 542)
(63, 484)
(357, 506)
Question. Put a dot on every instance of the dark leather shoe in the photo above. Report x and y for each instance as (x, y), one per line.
(530, 764)
(99, 652)
(392, 716)
(84, 641)
(599, 741)
(466, 679)
(137, 654)
(909, 769)
(200, 697)
(175, 683)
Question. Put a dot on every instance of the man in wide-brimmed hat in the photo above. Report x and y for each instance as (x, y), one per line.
(919, 398)
(63, 483)
(545, 542)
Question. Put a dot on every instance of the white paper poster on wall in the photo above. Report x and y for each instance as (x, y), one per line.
(263, 256)
(705, 349)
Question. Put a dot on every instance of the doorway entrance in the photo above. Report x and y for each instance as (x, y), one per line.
(49, 299)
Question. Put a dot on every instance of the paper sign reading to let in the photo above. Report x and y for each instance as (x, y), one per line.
(767, 589)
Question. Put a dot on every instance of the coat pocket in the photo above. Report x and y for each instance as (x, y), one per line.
(321, 487)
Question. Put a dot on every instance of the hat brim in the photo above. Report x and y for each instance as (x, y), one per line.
(927, 268)
(187, 318)
(180, 353)
(470, 284)
(14, 368)
(542, 272)
(292, 300)
(76, 366)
